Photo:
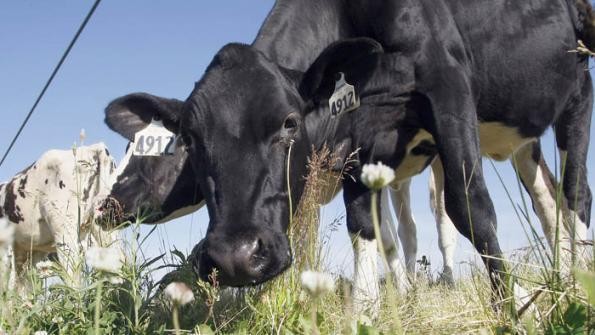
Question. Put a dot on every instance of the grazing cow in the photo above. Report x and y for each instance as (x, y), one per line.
(153, 189)
(454, 78)
(51, 204)
(157, 189)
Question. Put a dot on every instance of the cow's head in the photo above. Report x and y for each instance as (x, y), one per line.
(149, 188)
(250, 125)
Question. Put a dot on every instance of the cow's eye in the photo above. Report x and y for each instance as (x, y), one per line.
(291, 122)
(186, 139)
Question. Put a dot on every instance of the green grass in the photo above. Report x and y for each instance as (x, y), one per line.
(137, 305)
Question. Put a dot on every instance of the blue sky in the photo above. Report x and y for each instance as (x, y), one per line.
(161, 47)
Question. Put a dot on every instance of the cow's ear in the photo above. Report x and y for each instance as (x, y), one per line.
(133, 112)
(356, 58)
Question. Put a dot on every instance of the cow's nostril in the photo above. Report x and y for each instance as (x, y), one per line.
(259, 250)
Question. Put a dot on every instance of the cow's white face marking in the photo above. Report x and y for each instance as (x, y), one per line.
(181, 212)
(498, 141)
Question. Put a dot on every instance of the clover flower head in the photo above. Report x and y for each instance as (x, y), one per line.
(105, 259)
(179, 293)
(40, 332)
(317, 283)
(45, 268)
(377, 176)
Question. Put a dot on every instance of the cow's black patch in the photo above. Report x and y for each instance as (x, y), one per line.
(12, 210)
(61, 184)
(92, 178)
(425, 148)
(22, 184)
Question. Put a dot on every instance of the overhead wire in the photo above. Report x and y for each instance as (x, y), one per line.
(51, 78)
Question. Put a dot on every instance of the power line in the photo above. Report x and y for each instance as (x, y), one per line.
(49, 81)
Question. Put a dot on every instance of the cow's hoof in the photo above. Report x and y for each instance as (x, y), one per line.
(446, 278)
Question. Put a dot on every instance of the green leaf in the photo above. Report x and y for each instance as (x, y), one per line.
(576, 317)
(364, 329)
(204, 329)
(587, 281)
(179, 254)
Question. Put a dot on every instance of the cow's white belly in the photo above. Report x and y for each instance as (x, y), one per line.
(498, 141)
(412, 164)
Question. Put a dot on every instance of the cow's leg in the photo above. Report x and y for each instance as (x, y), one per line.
(22, 261)
(69, 249)
(572, 136)
(453, 123)
(407, 229)
(366, 292)
(447, 233)
(391, 243)
(539, 182)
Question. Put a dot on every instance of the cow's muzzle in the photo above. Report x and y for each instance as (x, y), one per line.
(246, 261)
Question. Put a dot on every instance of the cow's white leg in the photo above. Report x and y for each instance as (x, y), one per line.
(366, 292)
(576, 228)
(447, 232)
(22, 260)
(390, 242)
(407, 228)
(67, 235)
(540, 184)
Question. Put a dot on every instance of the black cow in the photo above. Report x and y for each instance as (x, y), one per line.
(151, 189)
(443, 75)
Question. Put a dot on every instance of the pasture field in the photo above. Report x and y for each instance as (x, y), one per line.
(130, 301)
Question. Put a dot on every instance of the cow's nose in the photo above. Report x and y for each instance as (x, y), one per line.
(244, 264)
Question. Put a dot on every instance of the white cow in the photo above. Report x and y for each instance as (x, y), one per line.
(51, 204)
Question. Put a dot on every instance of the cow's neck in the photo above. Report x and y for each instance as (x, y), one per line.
(296, 31)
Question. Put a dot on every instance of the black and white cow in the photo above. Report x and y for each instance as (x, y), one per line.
(456, 78)
(157, 189)
(51, 204)
(153, 189)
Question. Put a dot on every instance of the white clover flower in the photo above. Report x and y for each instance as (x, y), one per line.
(317, 283)
(40, 332)
(6, 233)
(179, 293)
(105, 259)
(45, 269)
(57, 319)
(377, 176)
(116, 280)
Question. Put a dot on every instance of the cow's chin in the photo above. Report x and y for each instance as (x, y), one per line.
(206, 270)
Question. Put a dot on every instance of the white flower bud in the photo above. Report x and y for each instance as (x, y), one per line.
(179, 293)
(377, 176)
(105, 259)
(316, 283)
(45, 269)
